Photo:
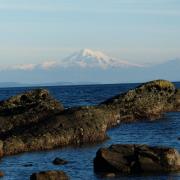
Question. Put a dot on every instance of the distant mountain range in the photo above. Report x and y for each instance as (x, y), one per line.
(87, 67)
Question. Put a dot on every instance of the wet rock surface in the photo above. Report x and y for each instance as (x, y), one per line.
(49, 175)
(132, 158)
(36, 121)
(59, 161)
(1, 174)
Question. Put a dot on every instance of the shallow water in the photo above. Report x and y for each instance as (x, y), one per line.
(161, 132)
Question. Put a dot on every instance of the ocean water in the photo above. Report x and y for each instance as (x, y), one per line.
(164, 131)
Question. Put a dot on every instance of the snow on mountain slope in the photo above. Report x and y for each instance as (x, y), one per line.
(89, 58)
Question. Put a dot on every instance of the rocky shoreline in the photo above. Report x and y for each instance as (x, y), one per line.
(36, 121)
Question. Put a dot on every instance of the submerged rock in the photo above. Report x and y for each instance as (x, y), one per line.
(132, 158)
(36, 121)
(49, 175)
(28, 165)
(58, 161)
(1, 174)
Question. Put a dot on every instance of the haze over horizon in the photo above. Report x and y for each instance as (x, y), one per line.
(38, 35)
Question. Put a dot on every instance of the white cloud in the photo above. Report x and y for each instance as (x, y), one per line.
(48, 65)
(29, 67)
(25, 67)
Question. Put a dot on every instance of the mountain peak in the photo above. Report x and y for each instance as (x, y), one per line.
(90, 58)
(92, 53)
(87, 51)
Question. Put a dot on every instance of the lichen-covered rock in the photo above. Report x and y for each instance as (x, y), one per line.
(177, 100)
(49, 175)
(35, 121)
(27, 108)
(73, 126)
(147, 101)
(132, 158)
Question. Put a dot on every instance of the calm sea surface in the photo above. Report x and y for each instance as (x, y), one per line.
(162, 132)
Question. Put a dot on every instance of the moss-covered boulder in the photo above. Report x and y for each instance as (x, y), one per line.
(27, 108)
(177, 100)
(147, 101)
(36, 121)
(70, 127)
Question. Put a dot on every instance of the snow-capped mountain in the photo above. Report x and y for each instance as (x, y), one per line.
(89, 66)
(89, 58)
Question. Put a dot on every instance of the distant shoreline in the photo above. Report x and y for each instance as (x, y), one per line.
(22, 85)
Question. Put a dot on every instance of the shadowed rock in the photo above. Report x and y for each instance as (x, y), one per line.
(27, 108)
(1, 174)
(136, 159)
(58, 161)
(49, 175)
(35, 121)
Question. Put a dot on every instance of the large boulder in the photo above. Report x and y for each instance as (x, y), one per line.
(27, 108)
(36, 121)
(71, 127)
(132, 158)
(49, 175)
(148, 101)
(177, 100)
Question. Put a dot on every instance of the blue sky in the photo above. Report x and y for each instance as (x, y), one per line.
(38, 31)
(136, 30)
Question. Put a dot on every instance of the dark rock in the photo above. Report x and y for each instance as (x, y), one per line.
(148, 101)
(1, 174)
(58, 161)
(73, 126)
(109, 175)
(177, 100)
(25, 109)
(49, 175)
(129, 159)
(28, 165)
(35, 121)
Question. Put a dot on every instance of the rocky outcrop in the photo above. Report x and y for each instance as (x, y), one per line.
(35, 121)
(24, 109)
(127, 159)
(177, 100)
(49, 175)
(147, 101)
(73, 126)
